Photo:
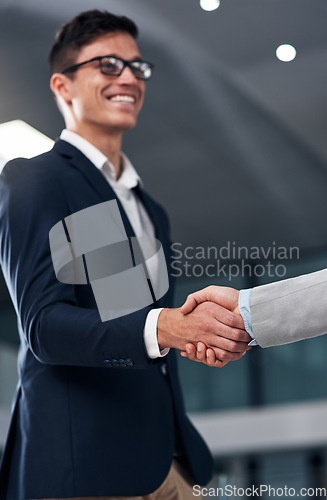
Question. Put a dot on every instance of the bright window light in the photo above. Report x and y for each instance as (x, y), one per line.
(18, 139)
(286, 52)
(209, 5)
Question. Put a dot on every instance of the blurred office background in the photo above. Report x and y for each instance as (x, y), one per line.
(232, 141)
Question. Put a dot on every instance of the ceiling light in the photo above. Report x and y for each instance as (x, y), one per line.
(18, 139)
(209, 5)
(286, 52)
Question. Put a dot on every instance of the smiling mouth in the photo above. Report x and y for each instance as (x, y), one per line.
(123, 98)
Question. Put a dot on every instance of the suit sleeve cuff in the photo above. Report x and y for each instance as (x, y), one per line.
(245, 311)
(150, 335)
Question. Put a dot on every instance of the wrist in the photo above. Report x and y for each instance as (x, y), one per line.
(166, 326)
(162, 326)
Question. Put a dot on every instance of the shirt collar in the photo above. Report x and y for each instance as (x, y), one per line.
(129, 177)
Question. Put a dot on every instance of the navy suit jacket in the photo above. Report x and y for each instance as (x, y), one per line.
(82, 426)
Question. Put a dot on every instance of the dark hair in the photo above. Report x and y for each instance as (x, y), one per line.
(82, 30)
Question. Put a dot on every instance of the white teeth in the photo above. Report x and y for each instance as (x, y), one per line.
(122, 98)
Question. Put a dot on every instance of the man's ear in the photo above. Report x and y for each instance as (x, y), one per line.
(61, 86)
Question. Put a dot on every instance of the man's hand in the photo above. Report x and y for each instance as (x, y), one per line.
(226, 297)
(203, 354)
(222, 295)
(216, 327)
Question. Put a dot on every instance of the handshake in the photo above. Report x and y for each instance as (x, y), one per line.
(207, 328)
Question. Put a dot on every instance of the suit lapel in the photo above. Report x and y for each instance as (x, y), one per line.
(93, 176)
(91, 173)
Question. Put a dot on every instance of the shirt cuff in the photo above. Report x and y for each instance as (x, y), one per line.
(150, 335)
(244, 299)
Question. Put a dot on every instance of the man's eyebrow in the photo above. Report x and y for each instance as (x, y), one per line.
(136, 58)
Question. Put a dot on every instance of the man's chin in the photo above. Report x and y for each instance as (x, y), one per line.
(123, 125)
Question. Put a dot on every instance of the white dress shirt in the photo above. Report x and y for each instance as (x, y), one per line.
(135, 211)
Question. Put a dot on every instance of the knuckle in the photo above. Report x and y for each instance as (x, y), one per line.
(206, 325)
(230, 318)
(232, 345)
(224, 356)
(235, 321)
(237, 335)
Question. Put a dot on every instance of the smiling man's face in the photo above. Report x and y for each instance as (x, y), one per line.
(102, 102)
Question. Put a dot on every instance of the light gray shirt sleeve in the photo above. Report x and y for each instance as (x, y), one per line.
(244, 301)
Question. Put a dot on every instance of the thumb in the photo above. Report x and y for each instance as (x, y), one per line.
(194, 299)
(189, 304)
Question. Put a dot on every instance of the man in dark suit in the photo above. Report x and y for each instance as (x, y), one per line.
(98, 411)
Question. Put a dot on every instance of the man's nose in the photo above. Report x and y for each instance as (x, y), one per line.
(127, 75)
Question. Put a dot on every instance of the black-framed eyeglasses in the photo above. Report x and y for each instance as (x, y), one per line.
(114, 66)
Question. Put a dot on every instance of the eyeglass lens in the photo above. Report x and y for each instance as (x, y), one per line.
(115, 66)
